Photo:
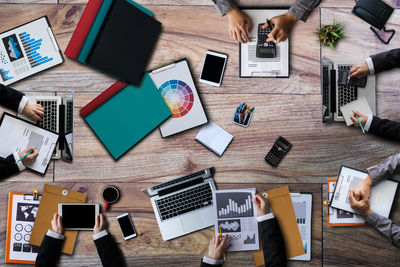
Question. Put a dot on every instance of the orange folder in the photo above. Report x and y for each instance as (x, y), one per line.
(282, 206)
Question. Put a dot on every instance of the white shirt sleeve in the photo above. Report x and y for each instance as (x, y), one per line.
(20, 165)
(100, 234)
(265, 217)
(22, 104)
(55, 235)
(370, 64)
(368, 123)
(211, 261)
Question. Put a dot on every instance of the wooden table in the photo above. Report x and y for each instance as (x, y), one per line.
(288, 107)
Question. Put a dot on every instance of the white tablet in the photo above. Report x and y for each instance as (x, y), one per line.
(78, 216)
(213, 68)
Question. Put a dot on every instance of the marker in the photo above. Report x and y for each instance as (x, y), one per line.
(220, 235)
(362, 128)
(26, 155)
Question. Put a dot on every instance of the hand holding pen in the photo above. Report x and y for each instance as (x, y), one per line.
(28, 156)
(217, 247)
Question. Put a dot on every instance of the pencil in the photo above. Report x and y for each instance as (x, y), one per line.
(362, 128)
(220, 234)
(29, 152)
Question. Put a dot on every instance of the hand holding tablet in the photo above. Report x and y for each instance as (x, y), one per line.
(78, 216)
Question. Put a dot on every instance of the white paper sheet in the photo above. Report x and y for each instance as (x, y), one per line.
(16, 135)
(235, 213)
(361, 105)
(250, 65)
(214, 137)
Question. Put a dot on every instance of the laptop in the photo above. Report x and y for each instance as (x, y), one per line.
(335, 94)
(183, 205)
(59, 118)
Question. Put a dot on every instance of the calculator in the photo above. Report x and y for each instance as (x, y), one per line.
(344, 79)
(265, 49)
(280, 148)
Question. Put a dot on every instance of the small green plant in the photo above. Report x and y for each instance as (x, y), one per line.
(329, 35)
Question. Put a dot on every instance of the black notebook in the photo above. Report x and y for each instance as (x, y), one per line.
(125, 42)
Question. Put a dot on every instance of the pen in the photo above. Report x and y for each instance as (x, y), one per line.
(362, 128)
(220, 235)
(29, 152)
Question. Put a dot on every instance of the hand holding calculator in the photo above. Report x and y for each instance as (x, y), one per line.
(265, 49)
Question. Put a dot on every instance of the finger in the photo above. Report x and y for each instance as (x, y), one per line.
(235, 36)
(101, 220)
(256, 202)
(55, 217)
(223, 241)
(272, 34)
(265, 25)
(246, 36)
(35, 117)
(354, 120)
(58, 220)
(260, 199)
(40, 112)
(351, 198)
(249, 24)
(281, 37)
(240, 35)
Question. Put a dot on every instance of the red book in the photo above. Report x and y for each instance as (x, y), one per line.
(103, 97)
(83, 28)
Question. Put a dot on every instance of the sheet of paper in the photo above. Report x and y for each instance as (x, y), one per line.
(250, 65)
(27, 50)
(16, 135)
(361, 105)
(340, 216)
(237, 217)
(24, 210)
(214, 137)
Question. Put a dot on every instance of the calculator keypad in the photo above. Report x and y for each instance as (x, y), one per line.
(263, 35)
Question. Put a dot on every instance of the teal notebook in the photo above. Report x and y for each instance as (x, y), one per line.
(122, 117)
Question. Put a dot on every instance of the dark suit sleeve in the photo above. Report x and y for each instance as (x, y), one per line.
(49, 252)
(273, 243)
(385, 128)
(109, 252)
(203, 264)
(10, 98)
(386, 60)
(8, 167)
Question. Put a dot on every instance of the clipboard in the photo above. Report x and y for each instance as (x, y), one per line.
(51, 197)
(20, 220)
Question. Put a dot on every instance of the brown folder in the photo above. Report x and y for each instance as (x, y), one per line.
(51, 197)
(282, 206)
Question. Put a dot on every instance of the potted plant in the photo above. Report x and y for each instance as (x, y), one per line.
(330, 35)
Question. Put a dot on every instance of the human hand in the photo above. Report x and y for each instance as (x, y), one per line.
(363, 189)
(359, 70)
(283, 26)
(33, 111)
(363, 118)
(261, 204)
(56, 224)
(362, 205)
(99, 225)
(239, 25)
(217, 247)
(31, 157)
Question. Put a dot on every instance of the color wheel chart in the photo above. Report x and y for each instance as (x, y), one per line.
(179, 97)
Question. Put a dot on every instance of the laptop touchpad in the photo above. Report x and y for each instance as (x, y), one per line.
(192, 222)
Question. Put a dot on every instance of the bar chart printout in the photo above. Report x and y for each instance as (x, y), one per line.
(234, 205)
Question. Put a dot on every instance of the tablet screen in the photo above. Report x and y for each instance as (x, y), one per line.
(78, 216)
(213, 67)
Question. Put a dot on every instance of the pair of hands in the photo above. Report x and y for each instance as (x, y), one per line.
(219, 244)
(240, 25)
(33, 111)
(56, 224)
(359, 197)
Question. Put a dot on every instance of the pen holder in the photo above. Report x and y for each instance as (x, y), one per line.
(243, 125)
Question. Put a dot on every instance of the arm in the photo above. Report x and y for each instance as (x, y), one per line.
(224, 6)
(386, 60)
(384, 128)
(385, 226)
(108, 250)
(9, 166)
(12, 99)
(385, 170)
(302, 9)
(272, 242)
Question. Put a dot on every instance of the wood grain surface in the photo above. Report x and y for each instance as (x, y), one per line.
(288, 107)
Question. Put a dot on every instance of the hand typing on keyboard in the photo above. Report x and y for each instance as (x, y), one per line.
(33, 111)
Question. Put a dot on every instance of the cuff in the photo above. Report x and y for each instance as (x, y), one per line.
(100, 234)
(373, 218)
(211, 261)
(370, 64)
(20, 165)
(300, 12)
(22, 104)
(55, 235)
(368, 123)
(265, 217)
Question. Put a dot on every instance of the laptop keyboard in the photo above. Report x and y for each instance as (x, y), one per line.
(325, 90)
(69, 126)
(49, 121)
(346, 93)
(185, 201)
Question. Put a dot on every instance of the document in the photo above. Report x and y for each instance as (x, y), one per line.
(236, 216)
(250, 65)
(214, 137)
(16, 135)
(361, 105)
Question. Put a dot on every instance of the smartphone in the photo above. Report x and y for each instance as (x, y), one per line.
(78, 216)
(126, 225)
(213, 68)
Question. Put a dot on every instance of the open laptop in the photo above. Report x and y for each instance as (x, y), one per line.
(183, 205)
(59, 118)
(335, 95)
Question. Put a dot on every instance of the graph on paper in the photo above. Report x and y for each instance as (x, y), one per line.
(234, 205)
(229, 226)
(31, 47)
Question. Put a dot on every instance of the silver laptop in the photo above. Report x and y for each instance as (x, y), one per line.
(59, 118)
(183, 205)
(335, 95)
